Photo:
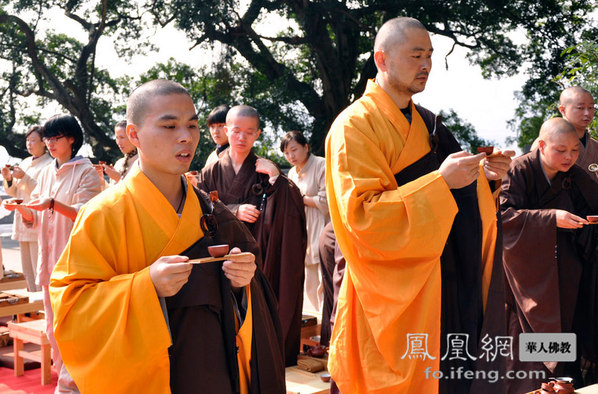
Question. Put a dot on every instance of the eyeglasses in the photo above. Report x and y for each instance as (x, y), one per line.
(48, 140)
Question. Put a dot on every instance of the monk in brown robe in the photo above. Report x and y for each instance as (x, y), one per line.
(332, 263)
(271, 207)
(548, 249)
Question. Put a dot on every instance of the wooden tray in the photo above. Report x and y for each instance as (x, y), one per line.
(10, 276)
(8, 299)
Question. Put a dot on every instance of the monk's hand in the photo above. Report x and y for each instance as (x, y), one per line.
(248, 213)
(239, 270)
(265, 166)
(565, 219)
(460, 169)
(111, 172)
(497, 164)
(169, 274)
(192, 177)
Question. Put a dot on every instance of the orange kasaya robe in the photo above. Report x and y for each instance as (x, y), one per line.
(392, 239)
(108, 322)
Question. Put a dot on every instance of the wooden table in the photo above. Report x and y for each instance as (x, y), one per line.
(593, 389)
(11, 284)
(303, 382)
(35, 304)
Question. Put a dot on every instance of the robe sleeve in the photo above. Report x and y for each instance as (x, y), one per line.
(320, 198)
(108, 322)
(384, 221)
(90, 186)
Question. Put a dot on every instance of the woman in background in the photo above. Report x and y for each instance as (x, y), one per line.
(62, 189)
(19, 184)
(308, 173)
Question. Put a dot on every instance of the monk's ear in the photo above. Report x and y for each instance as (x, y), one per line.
(562, 109)
(132, 132)
(541, 145)
(380, 60)
(259, 131)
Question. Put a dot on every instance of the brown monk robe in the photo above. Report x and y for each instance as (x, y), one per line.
(544, 265)
(333, 269)
(208, 301)
(279, 231)
(462, 269)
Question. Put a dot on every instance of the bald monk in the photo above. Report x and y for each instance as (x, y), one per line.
(577, 106)
(415, 219)
(548, 248)
(271, 207)
(132, 313)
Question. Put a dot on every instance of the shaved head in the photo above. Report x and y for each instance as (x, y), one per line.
(242, 111)
(140, 98)
(570, 94)
(556, 126)
(392, 32)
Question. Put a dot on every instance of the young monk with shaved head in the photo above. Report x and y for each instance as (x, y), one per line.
(549, 253)
(578, 107)
(415, 219)
(133, 313)
(271, 207)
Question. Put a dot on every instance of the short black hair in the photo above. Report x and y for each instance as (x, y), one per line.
(293, 135)
(35, 129)
(141, 96)
(218, 115)
(122, 124)
(65, 125)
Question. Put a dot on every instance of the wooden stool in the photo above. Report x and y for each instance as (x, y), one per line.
(309, 328)
(33, 331)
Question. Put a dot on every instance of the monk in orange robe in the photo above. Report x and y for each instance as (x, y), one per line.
(415, 219)
(132, 314)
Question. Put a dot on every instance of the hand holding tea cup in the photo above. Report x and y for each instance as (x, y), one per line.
(240, 270)
(497, 164)
(11, 203)
(39, 204)
(6, 174)
(17, 172)
(169, 274)
(565, 219)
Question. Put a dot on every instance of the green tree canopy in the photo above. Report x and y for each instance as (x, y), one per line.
(55, 67)
(300, 63)
(316, 56)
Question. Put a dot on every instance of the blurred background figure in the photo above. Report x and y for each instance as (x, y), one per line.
(216, 123)
(123, 165)
(19, 183)
(62, 188)
(308, 173)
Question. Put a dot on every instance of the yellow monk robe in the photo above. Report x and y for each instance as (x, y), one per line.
(392, 239)
(108, 322)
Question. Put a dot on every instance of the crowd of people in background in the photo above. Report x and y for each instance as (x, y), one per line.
(396, 210)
